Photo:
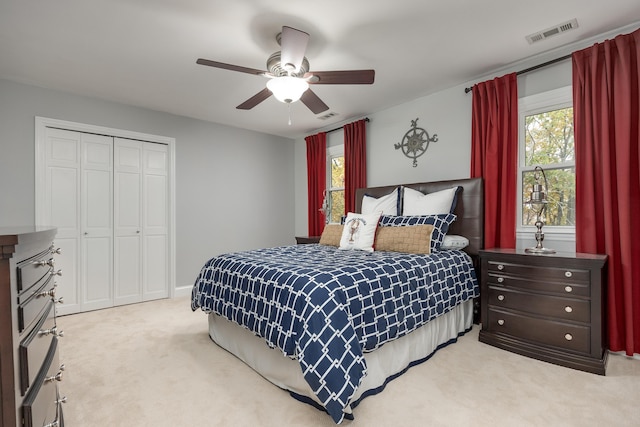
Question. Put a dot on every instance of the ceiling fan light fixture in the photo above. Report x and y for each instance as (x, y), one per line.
(287, 89)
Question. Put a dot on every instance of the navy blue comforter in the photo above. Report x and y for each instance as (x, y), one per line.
(326, 307)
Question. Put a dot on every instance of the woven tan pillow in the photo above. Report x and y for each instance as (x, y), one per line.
(331, 235)
(411, 239)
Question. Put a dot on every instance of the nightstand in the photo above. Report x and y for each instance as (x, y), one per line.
(548, 307)
(304, 240)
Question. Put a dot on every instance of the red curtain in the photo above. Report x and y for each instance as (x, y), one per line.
(494, 156)
(355, 162)
(316, 180)
(606, 105)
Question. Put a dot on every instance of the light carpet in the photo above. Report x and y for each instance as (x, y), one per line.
(153, 364)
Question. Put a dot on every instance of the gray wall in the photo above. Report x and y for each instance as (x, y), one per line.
(234, 188)
(447, 114)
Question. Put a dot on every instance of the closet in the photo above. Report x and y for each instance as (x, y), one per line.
(109, 198)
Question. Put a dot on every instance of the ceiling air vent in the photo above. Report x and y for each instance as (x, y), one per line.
(327, 116)
(553, 31)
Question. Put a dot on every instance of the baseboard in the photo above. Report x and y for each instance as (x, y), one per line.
(182, 291)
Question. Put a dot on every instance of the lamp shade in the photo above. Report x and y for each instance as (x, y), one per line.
(287, 89)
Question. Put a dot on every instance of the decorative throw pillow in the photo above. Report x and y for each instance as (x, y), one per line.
(331, 235)
(440, 224)
(412, 239)
(388, 205)
(438, 202)
(359, 231)
(452, 241)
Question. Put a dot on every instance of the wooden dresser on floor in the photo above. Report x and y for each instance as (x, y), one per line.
(30, 370)
(549, 307)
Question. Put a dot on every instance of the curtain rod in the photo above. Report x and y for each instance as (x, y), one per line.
(535, 67)
(366, 119)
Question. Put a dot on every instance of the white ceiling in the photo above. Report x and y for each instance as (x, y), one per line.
(143, 52)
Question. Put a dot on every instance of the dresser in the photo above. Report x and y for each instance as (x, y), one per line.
(548, 307)
(30, 370)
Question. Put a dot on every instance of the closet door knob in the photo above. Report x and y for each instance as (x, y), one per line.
(500, 297)
(500, 322)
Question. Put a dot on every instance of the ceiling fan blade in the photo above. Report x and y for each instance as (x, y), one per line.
(313, 102)
(352, 77)
(293, 44)
(231, 67)
(255, 100)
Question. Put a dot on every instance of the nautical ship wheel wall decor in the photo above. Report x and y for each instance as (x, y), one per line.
(415, 142)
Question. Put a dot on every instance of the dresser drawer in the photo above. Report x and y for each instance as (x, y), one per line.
(32, 302)
(41, 405)
(535, 284)
(547, 332)
(34, 269)
(543, 305)
(543, 273)
(35, 345)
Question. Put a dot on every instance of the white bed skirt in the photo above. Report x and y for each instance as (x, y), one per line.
(382, 364)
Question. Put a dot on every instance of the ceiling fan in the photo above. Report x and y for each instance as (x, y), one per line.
(289, 75)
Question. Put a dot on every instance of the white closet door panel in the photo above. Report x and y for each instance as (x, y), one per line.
(97, 273)
(68, 284)
(156, 203)
(97, 201)
(128, 155)
(62, 147)
(156, 284)
(128, 270)
(128, 201)
(97, 152)
(156, 159)
(97, 221)
(128, 219)
(62, 199)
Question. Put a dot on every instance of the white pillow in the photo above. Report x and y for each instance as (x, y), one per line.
(359, 231)
(417, 203)
(452, 241)
(388, 204)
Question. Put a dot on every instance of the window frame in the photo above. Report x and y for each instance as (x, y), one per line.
(332, 151)
(534, 104)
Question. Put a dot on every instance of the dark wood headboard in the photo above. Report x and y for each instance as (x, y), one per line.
(469, 209)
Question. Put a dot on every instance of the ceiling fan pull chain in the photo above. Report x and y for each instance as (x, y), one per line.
(289, 107)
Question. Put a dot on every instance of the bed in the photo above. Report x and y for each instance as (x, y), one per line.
(334, 326)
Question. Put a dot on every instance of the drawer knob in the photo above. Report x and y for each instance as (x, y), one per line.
(56, 251)
(55, 423)
(56, 273)
(568, 274)
(500, 267)
(500, 322)
(568, 309)
(568, 337)
(63, 399)
(52, 331)
(500, 297)
(568, 289)
(50, 293)
(500, 279)
(50, 262)
(56, 377)
(58, 300)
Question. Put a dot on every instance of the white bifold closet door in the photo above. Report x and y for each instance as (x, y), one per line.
(109, 199)
(141, 221)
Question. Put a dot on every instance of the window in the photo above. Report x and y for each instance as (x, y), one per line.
(546, 140)
(335, 184)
